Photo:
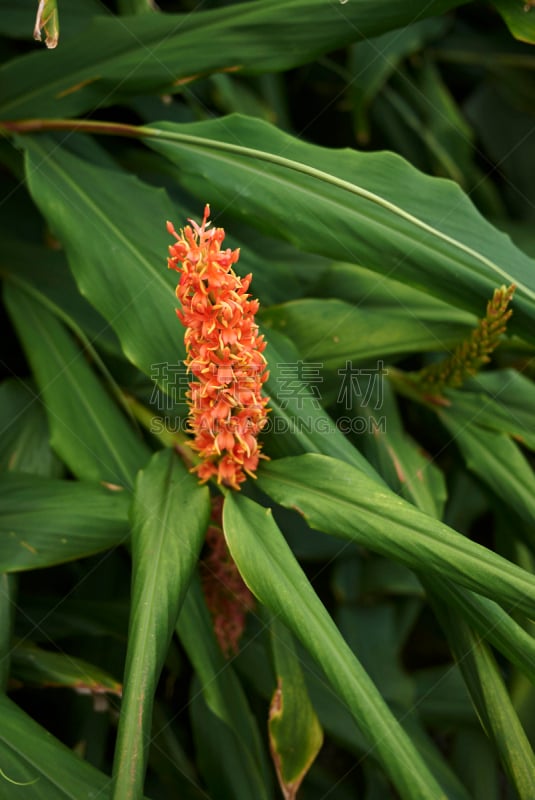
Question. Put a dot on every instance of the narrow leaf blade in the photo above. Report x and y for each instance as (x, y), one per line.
(273, 575)
(338, 499)
(46, 521)
(170, 513)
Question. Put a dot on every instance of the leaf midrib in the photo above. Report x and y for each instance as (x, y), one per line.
(193, 142)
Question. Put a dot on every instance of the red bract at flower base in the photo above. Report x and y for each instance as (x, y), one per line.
(224, 354)
(227, 597)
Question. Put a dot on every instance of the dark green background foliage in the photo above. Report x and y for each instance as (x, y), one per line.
(374, 162)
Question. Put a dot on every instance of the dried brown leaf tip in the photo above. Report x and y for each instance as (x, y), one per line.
(47, 21)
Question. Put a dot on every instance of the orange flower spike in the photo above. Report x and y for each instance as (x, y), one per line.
(224, 354)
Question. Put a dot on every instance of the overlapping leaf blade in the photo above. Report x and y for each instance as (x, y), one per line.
(491, 699)
(158, 53)
(494, 458)
(373, 208)
(88, 430)
(169, 514)
(30, 755)
(24, 445)
(225, 699)
(133, 290)
(332, 332)
(45, 521)
(272, 573)
(34, 666)
(338, 499)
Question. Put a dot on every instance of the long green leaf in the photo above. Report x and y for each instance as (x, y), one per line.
(136, 296)
(297, 421)
(519, 18)
(396, 456)
(44, 521)
(494, 458)
(373, 208)
(8, 590)
(33, 666)
(491, 622)
(160, 52)
(24, 442)
(31, 755)
(45, 274)
(502, 400)
(225, 700)
(274, 576)
(170, 513)
(491, 700)
(333, 332)
(416, 479)
(338, 499)
(87, 429)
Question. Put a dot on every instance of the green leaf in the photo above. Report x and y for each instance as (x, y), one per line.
(137, 296)
(24, 446)
(44, 521)
(494, 458)
(491, 622)
(519, 17)
(297, 420)
(274, 576)
(33, 666)
(333, 332)
(87, 429)
(45, 274)
(170, 513)
(339, 499)
(157, 53)
(502, 400)
(374, 207)
(225, 701)
(219, 755)
(491, 699)
(29, 754)
(396, 456)
(360, 286)
(295, 734)
(373, 61)
(8, 607)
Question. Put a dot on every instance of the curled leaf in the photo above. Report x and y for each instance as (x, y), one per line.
(47, 20)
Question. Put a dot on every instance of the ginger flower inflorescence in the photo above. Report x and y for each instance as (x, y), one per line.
(223, 354)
